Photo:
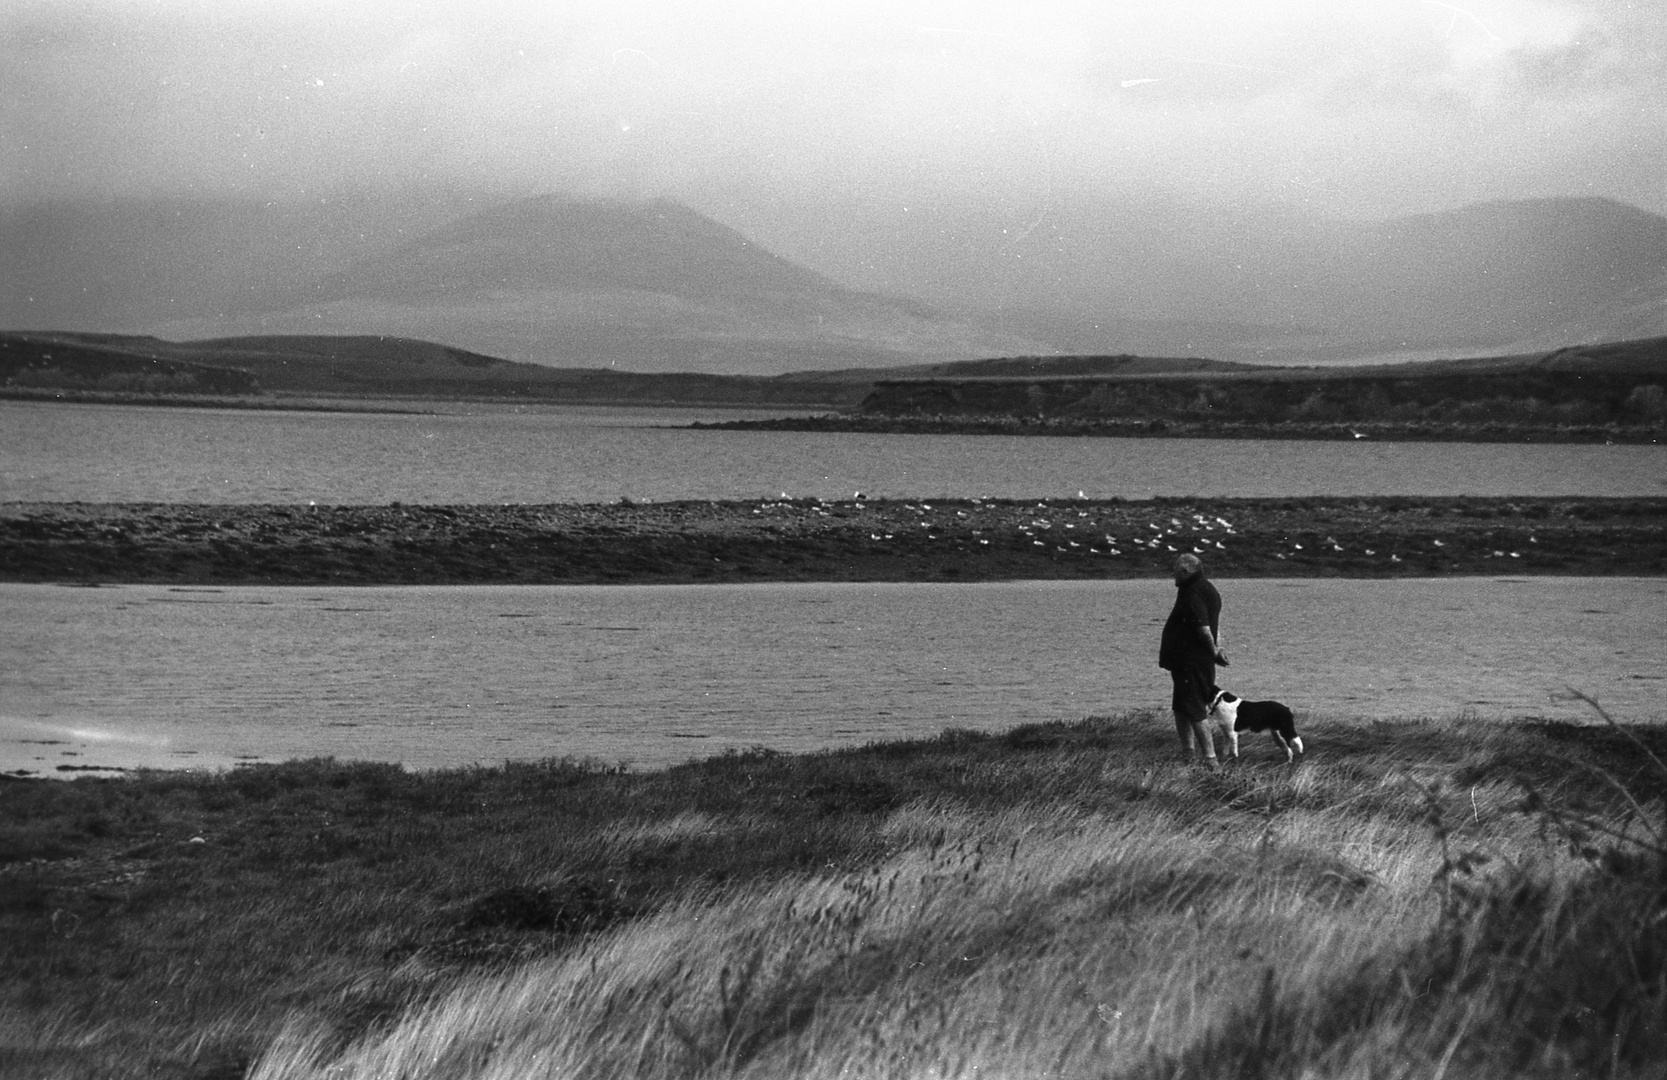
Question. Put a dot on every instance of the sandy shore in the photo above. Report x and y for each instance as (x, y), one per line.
(807, 540)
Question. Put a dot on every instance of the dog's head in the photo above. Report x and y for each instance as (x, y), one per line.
(1224, 705)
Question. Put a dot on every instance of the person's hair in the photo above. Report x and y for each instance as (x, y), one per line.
(1189, 563)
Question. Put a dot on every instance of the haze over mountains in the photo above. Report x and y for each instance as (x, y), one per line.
(656, 286)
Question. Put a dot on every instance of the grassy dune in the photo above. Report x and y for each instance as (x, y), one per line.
(1417, 899)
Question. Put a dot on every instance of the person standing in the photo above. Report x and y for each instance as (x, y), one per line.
(1189, 651)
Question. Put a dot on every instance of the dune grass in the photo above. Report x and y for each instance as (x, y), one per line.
(1418, 899)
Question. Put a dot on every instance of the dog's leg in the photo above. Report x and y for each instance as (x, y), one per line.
(1232, 739)
(1285, 746)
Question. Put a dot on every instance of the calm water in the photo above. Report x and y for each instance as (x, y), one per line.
(656, 675)
(136, 454)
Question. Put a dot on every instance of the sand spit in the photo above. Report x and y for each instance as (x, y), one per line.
(809, 540)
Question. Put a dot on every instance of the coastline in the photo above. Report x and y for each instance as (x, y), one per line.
(809, 540)
(1208, 428)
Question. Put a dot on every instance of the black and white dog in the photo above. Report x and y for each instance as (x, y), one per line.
(1233, 714)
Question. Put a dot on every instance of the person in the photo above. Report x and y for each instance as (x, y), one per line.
(1189, 651)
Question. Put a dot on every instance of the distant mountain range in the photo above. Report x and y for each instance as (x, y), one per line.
(656, 286)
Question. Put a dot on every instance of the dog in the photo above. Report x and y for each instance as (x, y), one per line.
(1233, 714)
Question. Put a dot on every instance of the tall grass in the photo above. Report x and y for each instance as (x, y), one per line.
(1417, 899)
(1267, 922)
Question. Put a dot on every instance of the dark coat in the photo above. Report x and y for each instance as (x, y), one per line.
(1196, 604)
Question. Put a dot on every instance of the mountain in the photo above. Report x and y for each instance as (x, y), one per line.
(1118, 272)
(648, 286)
(657, 286)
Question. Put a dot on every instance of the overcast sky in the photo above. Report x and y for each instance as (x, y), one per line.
(1350, 107)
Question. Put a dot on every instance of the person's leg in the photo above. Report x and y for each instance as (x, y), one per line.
(1194, 686)
(1206, 739)
(1183, 728)
(1180, 703)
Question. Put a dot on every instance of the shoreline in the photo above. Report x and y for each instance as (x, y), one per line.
(1167, 428)
(803, 540)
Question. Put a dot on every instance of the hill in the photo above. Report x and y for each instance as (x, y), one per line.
(278, 369)
(389, 367)
(657, 286)
(641, 285)
(1275, 285)
(1591, 389)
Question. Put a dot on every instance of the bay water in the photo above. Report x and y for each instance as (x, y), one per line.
(655, 675)
(497, 454)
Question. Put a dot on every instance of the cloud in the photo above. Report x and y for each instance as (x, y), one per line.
(1352, 104)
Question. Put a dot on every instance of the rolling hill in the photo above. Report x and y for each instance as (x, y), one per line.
(644, 286)
(657, 286)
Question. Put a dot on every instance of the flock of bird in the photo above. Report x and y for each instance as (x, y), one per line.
(1201, 534)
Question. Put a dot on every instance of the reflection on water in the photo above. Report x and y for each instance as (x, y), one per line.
(654, 675)
(106, 453)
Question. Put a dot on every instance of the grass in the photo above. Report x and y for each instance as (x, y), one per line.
(1418, 899)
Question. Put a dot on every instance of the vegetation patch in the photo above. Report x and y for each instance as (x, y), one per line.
(1479, 899)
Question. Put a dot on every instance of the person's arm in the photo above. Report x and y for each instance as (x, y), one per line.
(1202, 613)
(1201, 617)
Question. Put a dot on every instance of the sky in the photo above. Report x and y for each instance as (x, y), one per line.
(1346, 108)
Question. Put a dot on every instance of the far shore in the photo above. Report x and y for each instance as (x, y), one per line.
(1207, 428)
(790, 540)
